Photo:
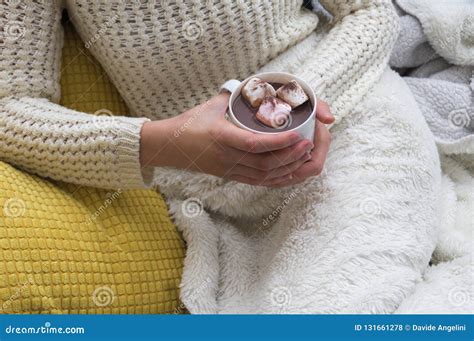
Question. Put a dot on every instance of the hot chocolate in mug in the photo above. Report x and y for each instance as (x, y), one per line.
(305, 128)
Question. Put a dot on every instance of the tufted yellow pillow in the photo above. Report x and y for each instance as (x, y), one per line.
(72, 249)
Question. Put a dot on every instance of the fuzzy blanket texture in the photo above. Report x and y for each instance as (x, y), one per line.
(387, 227)
(435, 55)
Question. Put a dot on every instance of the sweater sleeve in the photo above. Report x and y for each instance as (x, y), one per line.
(354, 53)
(42, 137)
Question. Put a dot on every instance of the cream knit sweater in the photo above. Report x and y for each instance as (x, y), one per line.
(165, 58)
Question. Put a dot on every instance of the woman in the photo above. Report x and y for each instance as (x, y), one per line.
(166, 58)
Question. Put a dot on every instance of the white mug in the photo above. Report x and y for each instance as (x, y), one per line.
(306, 129)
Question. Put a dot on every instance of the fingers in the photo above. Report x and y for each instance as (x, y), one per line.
(269, 180)
(318, 156)
(222, 99)
(232, 136)
(216, 107)
(276, 159)
(270, 174)
(288, 155)
(322, 142)
(271, 160)
(323, 113)
(314, 166)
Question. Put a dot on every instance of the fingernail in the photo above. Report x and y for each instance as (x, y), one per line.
(307, 156)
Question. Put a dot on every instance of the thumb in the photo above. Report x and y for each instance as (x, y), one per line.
(323, 112)
(218, 104)
(222, 100)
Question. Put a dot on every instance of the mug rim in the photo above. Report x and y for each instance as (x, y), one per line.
(233, 95)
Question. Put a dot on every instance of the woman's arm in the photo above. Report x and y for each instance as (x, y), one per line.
(354, 53)
(42, 137)
(202, 140)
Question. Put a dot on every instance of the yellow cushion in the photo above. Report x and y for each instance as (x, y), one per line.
(84, 84)
(72, 249)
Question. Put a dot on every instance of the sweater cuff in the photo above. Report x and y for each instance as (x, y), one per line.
(131, 174)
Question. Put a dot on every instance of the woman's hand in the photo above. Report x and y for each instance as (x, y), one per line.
(322, 140)
(202, 140)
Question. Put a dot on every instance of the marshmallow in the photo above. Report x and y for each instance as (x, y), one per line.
(292, 93)
(274, 113)
(255, 90)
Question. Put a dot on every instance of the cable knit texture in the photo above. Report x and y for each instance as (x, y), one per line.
(184, 52)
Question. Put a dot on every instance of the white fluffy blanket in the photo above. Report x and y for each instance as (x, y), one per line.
(357, 239)
(435, 53)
